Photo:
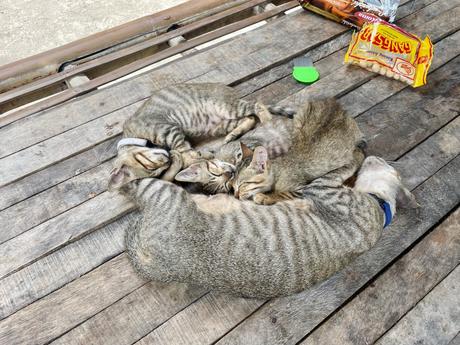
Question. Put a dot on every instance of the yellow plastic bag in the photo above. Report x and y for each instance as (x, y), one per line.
(387, 49)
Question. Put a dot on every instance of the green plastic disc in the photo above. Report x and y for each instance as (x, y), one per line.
(305, 74)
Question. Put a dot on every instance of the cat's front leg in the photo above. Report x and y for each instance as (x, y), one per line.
(175, 167)
(244, 126)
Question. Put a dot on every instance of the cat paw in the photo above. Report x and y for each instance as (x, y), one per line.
(175, 167)
(263, 199)
(230, 137)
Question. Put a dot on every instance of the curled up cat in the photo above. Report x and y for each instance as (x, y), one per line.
(324, 138)
(176, 114)
(257, 251)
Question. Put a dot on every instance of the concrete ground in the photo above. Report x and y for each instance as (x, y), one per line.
(29, 27)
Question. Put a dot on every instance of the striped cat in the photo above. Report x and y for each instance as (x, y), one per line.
(260, 251)
(215, 175)
(323, 139)
(178, 113)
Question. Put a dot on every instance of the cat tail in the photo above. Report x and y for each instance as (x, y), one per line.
(281, 110)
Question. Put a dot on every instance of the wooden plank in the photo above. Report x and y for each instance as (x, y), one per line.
(40, 156)
(62, 146)
(49, 317)
(61, 230)
(412, 115)
(186, 328)
(432, 153)
(258, 50)
(137, 313)
(377, 308)
(435, 319)
(43, 206)
(57, 173)
(62, 266)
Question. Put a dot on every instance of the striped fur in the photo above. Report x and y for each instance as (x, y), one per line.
(323, 139)
(178, 113)
(247, 249)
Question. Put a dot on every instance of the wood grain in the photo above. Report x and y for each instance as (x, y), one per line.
(435, 319)
(61, 230)
(371, 313)
(43, 206)
(62, 266)
(51, 316)
(57, 173)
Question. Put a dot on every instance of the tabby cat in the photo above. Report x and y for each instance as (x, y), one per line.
(180, 112)
(259, 251)
(215, 175)
(323, 139)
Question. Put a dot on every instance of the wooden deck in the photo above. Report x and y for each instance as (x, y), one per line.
(64, 277)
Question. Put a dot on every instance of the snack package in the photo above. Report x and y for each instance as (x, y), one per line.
(387, 49)
(353, 12)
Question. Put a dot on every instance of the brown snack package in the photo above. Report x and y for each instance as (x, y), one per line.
(353, 12)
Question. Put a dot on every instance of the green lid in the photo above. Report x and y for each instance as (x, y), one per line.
(305, 74)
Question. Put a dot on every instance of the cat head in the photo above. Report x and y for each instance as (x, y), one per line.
(254, 176)
(134, 162)
(378, 177)
(215, 175)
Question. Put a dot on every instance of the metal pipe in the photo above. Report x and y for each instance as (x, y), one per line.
(46, 63)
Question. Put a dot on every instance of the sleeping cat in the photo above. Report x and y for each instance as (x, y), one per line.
(260, 251)
(215, 175)
(180, 112)
(323, 139)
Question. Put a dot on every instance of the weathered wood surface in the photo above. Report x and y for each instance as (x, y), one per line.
(456, 340)
(377, 308)
(74, 285)
(435, 319)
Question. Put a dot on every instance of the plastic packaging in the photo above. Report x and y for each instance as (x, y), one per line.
(389, 50)
(353, 12)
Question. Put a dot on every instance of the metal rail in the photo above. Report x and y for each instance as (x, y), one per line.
(136, 65)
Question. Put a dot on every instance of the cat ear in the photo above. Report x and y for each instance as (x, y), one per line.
(119, 177)
(190, 174)
(406, 199)
(260, 159)
(244, 152)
